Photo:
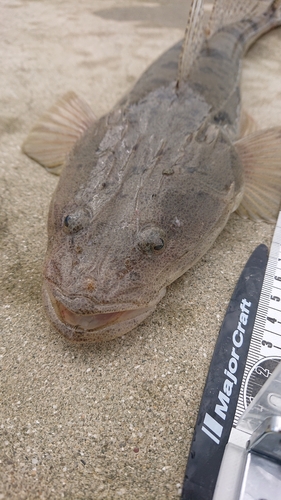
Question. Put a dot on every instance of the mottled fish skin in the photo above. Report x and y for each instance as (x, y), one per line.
(146, 191)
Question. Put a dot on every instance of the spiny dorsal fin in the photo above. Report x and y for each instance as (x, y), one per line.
(260, 154)
(53, 137)
(193, 39)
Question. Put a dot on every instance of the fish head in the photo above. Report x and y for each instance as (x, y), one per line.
(137, 204)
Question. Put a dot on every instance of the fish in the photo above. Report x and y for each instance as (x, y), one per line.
(145, 190)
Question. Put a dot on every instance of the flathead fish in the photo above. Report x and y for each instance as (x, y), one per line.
(145, 190)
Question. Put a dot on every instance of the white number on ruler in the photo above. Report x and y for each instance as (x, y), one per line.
(271, 341)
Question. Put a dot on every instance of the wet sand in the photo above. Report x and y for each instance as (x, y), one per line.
(116, 419)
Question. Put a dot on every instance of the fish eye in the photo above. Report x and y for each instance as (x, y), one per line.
(67, 220)
(151, 240)
(75, 221)
(72, 224)
(159, 246)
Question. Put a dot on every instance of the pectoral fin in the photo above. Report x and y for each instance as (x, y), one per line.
(260, 154)
(54, 136)
(247, 124)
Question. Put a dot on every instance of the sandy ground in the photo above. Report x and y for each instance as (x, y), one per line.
(112, 420)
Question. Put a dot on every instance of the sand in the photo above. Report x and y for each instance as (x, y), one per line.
(116, 419)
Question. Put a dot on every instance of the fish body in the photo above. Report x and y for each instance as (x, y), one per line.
(146, 189)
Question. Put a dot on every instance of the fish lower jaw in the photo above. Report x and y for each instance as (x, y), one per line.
(89, 322)
(93, 327)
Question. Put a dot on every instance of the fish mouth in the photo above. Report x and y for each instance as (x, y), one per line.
(86, 321)
(94, 327)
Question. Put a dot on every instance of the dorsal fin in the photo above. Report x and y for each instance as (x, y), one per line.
(193, 39)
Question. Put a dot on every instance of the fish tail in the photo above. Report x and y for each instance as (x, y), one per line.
(253, 26)
(224, 14)
(277, 8)
(247, 20)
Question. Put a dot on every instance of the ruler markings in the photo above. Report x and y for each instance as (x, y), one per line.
(273, 333)
(274, 308)
(256, 334)
(267, 308)
(260, 317)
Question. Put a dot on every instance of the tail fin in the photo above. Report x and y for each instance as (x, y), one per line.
(223, 14)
